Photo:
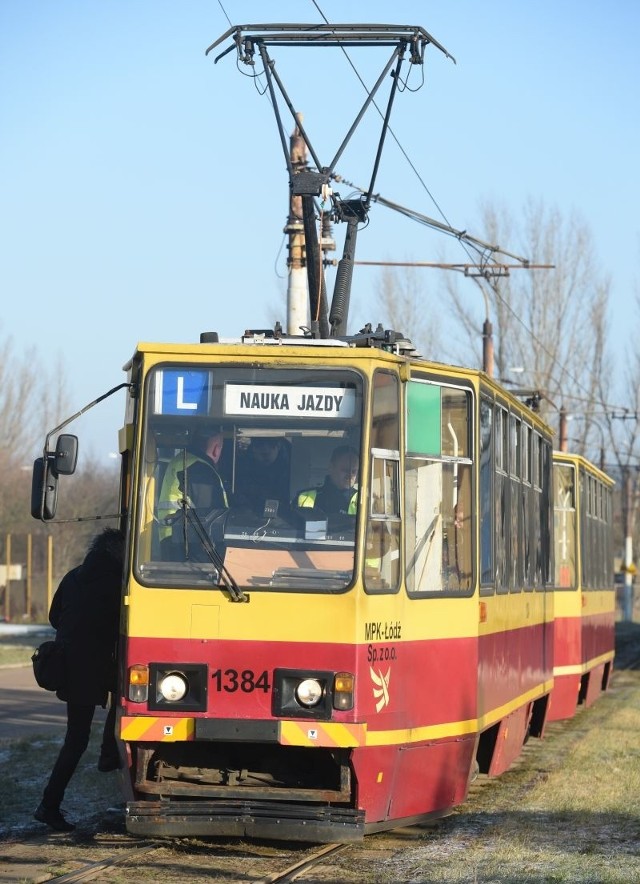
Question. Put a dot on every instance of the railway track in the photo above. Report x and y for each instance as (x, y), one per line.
(159, 860)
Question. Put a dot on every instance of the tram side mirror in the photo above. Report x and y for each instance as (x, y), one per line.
(44, 490)
(46, 470)
(66, 456)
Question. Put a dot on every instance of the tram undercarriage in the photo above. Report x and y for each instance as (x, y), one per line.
(227, 789)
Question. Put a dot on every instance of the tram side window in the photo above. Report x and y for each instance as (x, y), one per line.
(536, 511)
(565, 526)
(585, 524)
(153, 467)
(515, 516)
(600, 573)
(525, 509)
(607, 565)
(596, 529)
(486, 496)
(382, 552)
(438, 539)
(521, 516)
(501, 500)
(546, 519)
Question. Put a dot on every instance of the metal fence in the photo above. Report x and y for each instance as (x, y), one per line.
(27, 577)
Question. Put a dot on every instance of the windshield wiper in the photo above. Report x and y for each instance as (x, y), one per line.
(192, 519)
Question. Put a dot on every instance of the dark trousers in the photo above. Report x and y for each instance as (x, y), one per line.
(79, 718)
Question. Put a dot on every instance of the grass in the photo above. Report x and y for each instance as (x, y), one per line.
(16, 655)
(16, 650)
(569, 813)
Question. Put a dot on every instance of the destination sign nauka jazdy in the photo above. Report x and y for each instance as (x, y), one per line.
(282, 400)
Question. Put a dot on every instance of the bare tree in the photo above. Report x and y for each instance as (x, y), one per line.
(551, 325)
(20, 385)
(30, 403)
(29, 400)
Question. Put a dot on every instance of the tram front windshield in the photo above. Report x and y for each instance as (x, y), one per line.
(249, 471)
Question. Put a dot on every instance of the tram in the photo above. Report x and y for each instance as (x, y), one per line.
(291, 672)
(584, 590)
(332, 676)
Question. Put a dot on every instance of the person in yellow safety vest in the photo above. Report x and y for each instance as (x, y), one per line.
(339, 493)
(192, 475)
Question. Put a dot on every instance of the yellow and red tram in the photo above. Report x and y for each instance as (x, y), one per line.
(348, 673)
(292, 673)
(583, 587)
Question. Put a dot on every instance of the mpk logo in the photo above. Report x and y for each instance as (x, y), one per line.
(381, 689)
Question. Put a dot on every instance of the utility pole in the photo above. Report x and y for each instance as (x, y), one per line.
(563, 443)
(487, 330)
(487, 347)
(297, 293)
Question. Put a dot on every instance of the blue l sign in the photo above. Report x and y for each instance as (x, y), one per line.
(182, 392)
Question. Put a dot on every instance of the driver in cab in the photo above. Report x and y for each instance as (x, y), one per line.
(338, 495)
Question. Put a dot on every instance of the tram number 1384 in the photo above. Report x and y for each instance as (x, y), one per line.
(232, 680)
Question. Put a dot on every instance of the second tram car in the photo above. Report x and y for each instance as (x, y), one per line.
(584, 597)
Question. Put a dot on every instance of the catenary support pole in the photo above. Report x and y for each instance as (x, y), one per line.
(297, 292)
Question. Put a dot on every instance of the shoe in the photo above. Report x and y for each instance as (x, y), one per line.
(53, 818)
(107, 763)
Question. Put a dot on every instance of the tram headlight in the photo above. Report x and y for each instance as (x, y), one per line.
(304, 693)
(178, 686)
(138, 683)
(173, 687)
(309, 692)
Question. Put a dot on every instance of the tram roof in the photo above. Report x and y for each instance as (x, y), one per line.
(579, 460)
(340, 350)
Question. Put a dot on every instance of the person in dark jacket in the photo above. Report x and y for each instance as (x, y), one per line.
(85, 613)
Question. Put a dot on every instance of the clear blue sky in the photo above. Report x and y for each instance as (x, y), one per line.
(144, 190)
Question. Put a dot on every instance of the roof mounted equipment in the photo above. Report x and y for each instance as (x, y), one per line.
(310, 184)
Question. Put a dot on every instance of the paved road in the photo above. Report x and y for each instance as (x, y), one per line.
(26, 710)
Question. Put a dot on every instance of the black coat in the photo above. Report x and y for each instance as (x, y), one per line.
(85, 614)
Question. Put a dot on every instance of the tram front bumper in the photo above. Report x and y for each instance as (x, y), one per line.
(251, 819)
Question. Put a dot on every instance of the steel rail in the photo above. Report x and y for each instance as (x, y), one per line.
(92, 870)
(303, 866)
